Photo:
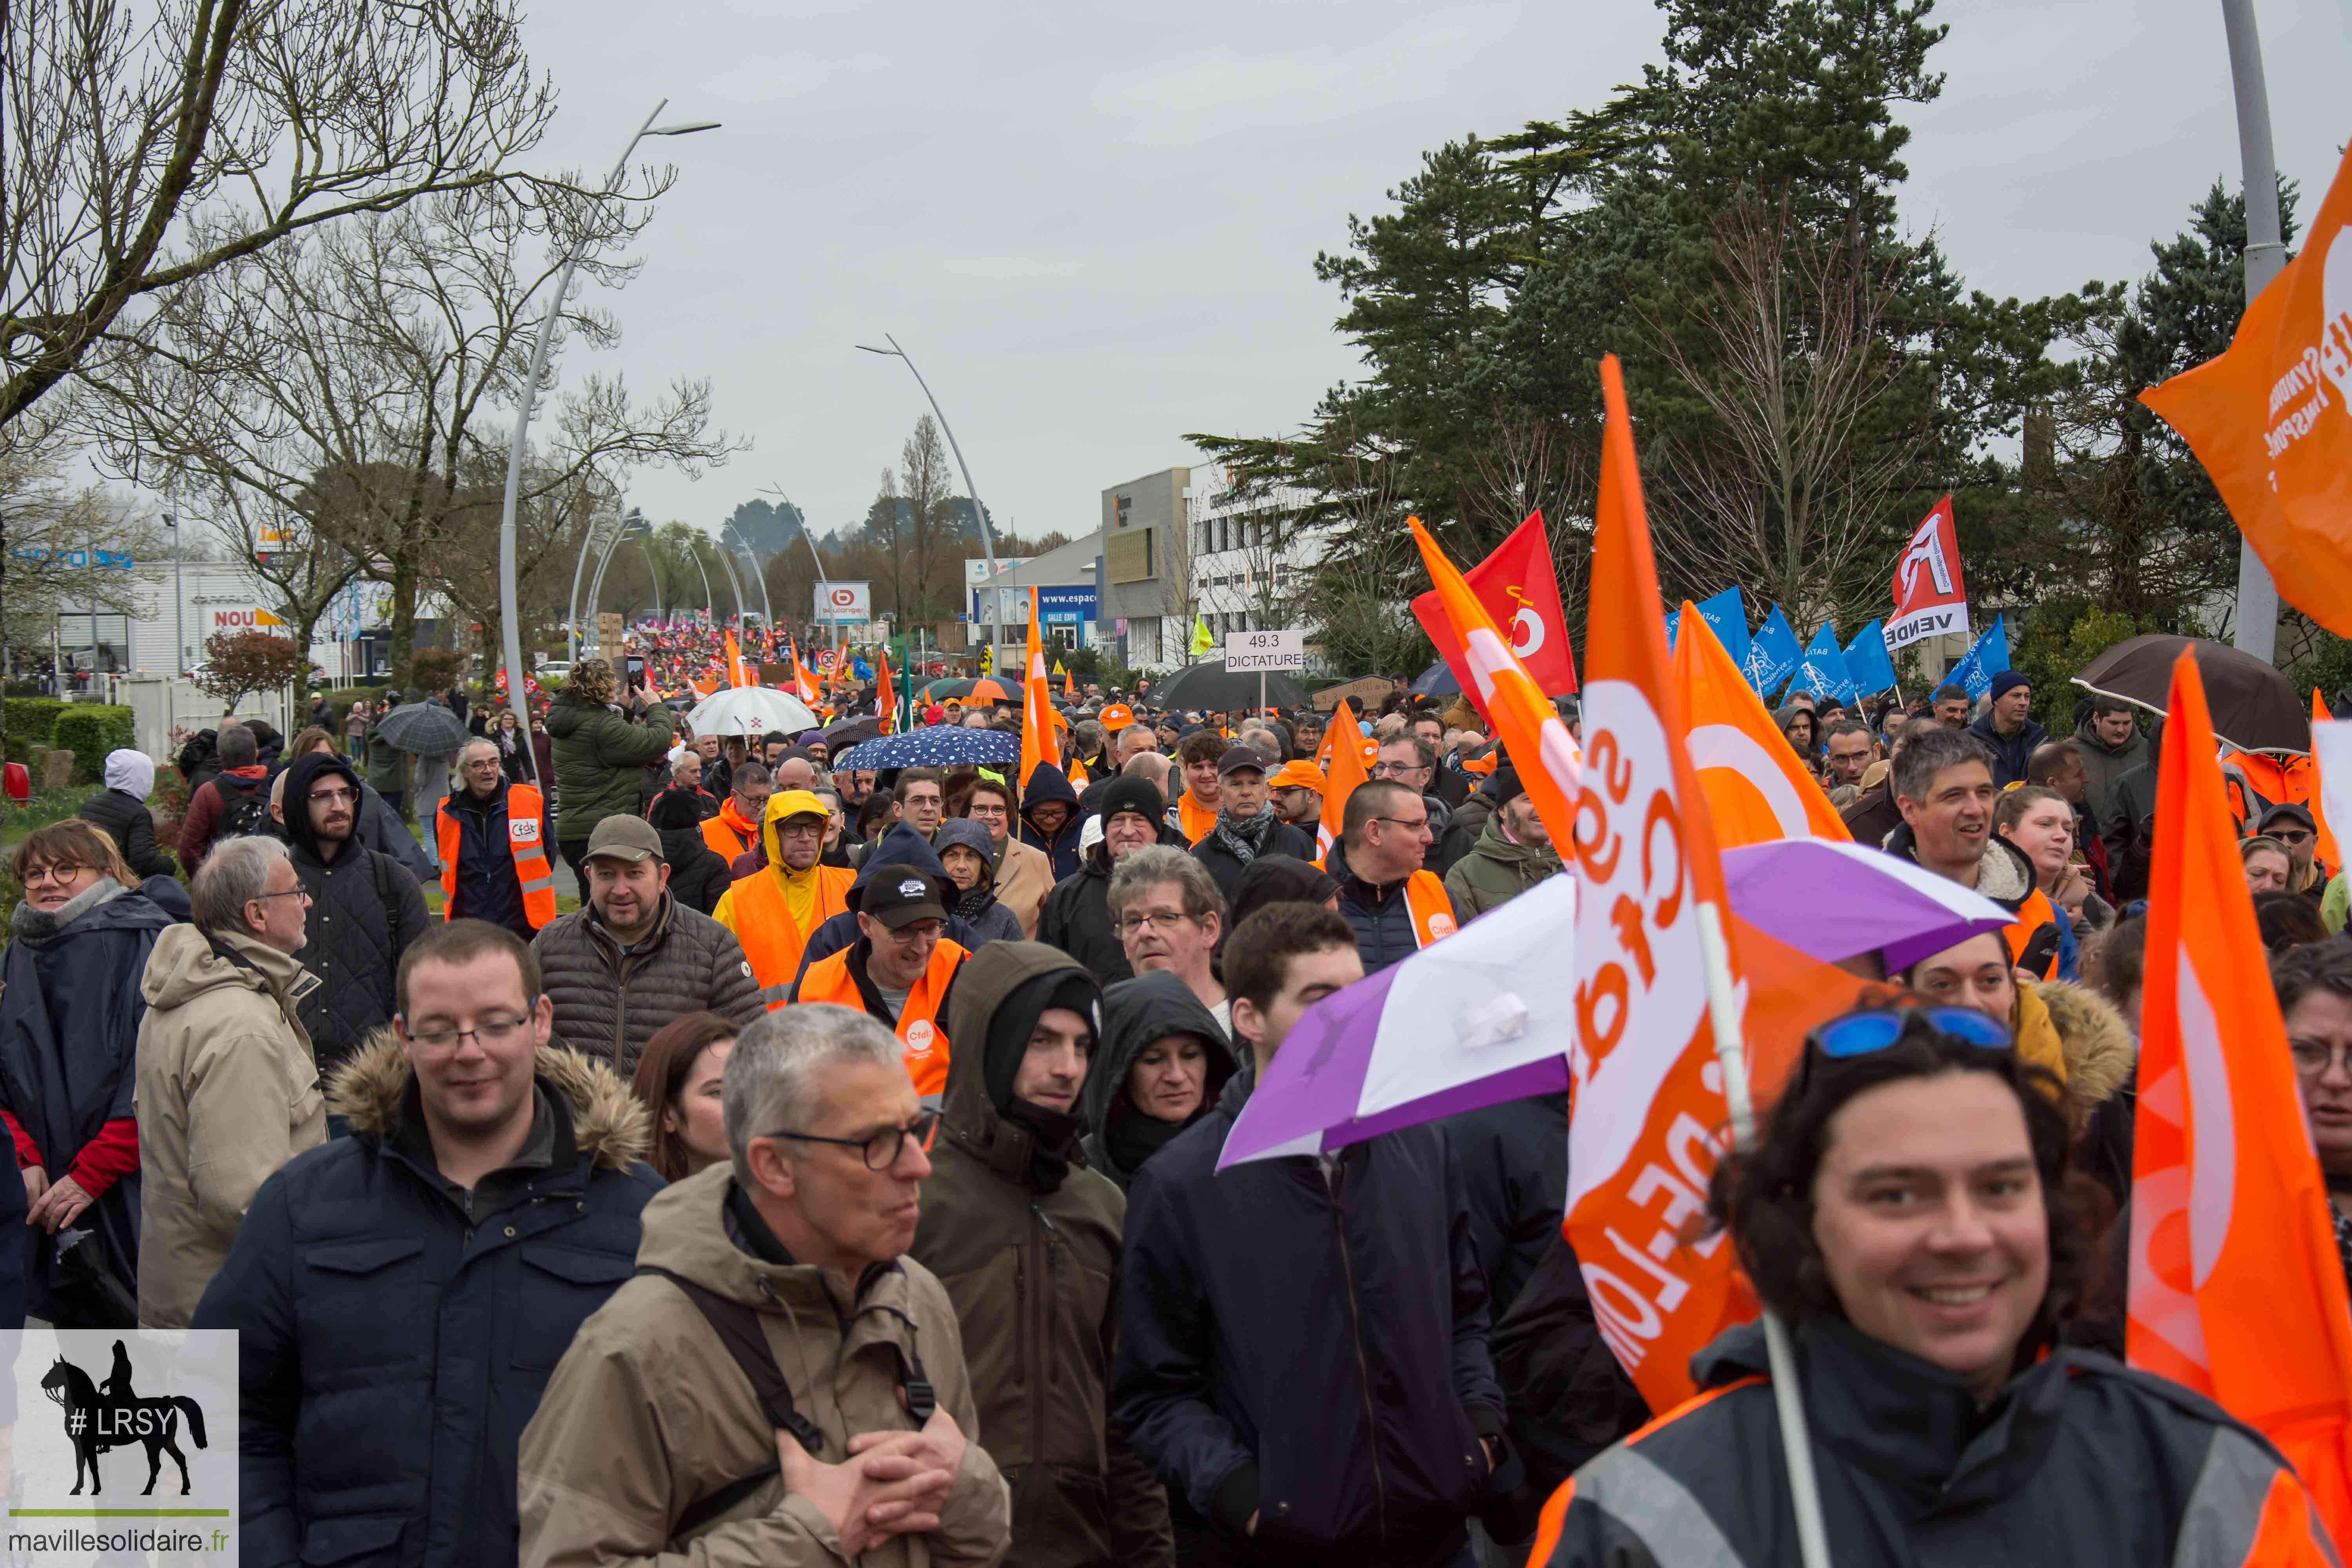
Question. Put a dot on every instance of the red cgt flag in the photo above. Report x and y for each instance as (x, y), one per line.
(2237, 1289)
(1519, 591)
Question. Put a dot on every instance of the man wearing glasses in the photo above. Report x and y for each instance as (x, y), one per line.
(400, 1294)
(365, 909)
(774, 909)
(786, 1262)
(901, 970)
(1169, 914)
(1396, 905)
(493, 842)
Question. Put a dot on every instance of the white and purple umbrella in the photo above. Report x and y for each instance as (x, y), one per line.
(1488, 1014)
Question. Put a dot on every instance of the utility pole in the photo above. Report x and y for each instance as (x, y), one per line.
(2257, 629)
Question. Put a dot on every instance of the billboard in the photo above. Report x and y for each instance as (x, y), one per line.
(841, 603)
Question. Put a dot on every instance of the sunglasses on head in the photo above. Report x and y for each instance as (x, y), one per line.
(1876, 1028)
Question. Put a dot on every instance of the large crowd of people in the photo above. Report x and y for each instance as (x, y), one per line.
(837, 1180)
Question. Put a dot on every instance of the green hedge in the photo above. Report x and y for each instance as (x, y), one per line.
(25, 720)
(89, 731)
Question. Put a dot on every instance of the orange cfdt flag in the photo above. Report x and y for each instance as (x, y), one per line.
(2236, 1287)
(1541, 749)
(1649, 1105)
(2269, 418)
(1343, 769)
(1366, 752)
(1757, 791)
(1037, 714)
(735, 674)
(885, 701)
(2323, 844)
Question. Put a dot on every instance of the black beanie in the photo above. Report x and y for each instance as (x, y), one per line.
(1017, 1019)
(1132, 793)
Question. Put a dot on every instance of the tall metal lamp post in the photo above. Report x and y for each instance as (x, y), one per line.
(987, 544)
(2257, 629)
(509, 597)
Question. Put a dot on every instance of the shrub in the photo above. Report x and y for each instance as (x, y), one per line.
(25, 720)
(91, 729)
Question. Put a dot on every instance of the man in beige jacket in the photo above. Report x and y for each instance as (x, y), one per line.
(227, 1087)
(782, 1272)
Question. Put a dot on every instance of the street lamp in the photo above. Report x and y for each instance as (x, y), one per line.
(508, 596)
(987, 545)
(179, 601)
(2257, 631)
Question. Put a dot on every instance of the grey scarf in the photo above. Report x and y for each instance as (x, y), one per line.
(37, 924)
(1246, 840)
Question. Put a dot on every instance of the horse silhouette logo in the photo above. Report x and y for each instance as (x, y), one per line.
(114, 1416)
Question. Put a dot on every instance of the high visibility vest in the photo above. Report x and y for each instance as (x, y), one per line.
(1192, 820)
(719, 833)
(2031, 916)
(2253, 782)
(755, 910)
(920, 1025)
(524, 841)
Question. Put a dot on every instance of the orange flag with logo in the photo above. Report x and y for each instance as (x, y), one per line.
(1757, 791)
(885, 701)
(803, 683)
(735, 672)
(1541, 749)
(2323, 844)
(1345, 722)
(1037, 713)
(1648, 1097)
(1343, 765)
(2237, 1289)
(2269, 418)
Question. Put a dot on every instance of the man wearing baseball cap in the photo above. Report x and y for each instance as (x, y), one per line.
(1248, 825)
(631, 958)
(901, 969)
(1298, 789)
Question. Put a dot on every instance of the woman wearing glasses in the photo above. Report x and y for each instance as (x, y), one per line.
(70, 1004)
(2315, 997)
(1911, 1213)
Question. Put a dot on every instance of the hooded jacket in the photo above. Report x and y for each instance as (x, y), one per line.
(1048, 783)
(1033, 1270)
(1311, 1349)
(2128, 827)
(982, 908)
(70, 1008)
(391, 1347)
(120, 810)
(699, 878)
(777, 960)
(2079, 1460)
(900, 845)
(365, 909)
(600, 760)
(1497, 870)
(609, 1004)
(2011, 751)
(647, 1414)
(2006, 876)
(2102, 764)
(227, 1093)
(1135, 1013)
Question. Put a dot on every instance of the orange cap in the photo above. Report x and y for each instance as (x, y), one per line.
(1116, 718)
(1299, 775)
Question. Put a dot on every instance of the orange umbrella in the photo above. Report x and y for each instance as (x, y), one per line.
(987, 689)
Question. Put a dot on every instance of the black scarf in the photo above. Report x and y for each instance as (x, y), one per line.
(1132, 1137)
(1246, 840)
(970, 906)
(1052, 1139)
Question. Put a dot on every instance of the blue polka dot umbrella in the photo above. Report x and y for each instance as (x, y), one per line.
(933, 746)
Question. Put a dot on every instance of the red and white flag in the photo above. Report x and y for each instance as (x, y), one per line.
(1519, 591)
(1930, 598)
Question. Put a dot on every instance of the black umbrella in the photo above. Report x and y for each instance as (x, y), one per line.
(852, 731)
(1437, 680)
(425, 728)
(1211, 687)
(2255, 707)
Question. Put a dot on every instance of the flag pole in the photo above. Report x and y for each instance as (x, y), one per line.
(1788, 1400)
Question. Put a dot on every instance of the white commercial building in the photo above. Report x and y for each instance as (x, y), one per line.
(158, 636)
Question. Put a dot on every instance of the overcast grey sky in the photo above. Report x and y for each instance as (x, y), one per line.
(1094, 226)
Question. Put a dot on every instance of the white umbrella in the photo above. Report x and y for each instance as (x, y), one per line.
(751, 711)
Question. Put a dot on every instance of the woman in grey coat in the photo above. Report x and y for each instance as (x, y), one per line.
(968, 853)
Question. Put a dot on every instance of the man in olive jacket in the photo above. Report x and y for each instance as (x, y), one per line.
(1512, 852)
(1026, 1241)
(600, 755)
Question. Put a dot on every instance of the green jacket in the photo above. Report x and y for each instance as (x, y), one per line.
(1495, 872)
(1034, 1276)
(599, 758)
(383, 772)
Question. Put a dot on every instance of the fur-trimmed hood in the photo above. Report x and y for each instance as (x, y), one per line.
(2100, 1055)
(609, 1123)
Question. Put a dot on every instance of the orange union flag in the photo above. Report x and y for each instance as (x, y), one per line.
(1650, 1105)
(1756, 789)
(2236, 1287)
(2271, 421)
(1341, 757)
(1037, 714)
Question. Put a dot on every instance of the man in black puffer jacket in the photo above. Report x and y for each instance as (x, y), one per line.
(1076, 915)
(365, 909)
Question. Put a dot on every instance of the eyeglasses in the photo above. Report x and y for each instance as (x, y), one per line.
(1415, 825)
(289, 893)
(1876, 1028)
(2313, 1057)
(800, 830)
(488, 1032)
(1161, 920)
(880, 1149)
(59, 874)
(345, 796)
(1394, 769)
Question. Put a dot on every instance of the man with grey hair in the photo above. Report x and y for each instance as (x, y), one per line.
(227, 1089)
(1168, 912)
(782, 1272)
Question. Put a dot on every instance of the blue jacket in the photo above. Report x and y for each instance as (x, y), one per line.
(1313, 1353)
(391, 1348)
(899, 845)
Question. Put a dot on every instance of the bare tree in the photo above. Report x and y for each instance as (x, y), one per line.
(1787, 489)
(372, 362)
(70, 543)
(929, 536)
(143, 145)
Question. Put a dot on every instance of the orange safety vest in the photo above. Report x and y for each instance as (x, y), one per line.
(829, 980)
(2031, 916)
(524, 840)
(725, 839)
(1193, 821)
(772, 941)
